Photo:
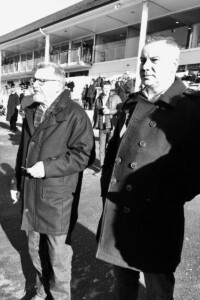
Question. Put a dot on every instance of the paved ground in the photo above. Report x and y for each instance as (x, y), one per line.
(92, 279)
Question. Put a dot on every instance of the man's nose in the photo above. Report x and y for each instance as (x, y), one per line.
(147, 64)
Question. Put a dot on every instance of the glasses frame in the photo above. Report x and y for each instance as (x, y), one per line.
(41, 81)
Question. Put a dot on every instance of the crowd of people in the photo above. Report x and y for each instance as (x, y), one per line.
(149, 159)
(123, 86)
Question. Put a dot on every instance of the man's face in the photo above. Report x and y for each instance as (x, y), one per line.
(46, 86)
(158, 64)
(106, 89)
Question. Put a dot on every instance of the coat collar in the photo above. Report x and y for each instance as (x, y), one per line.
(64, 102)
(170, 96)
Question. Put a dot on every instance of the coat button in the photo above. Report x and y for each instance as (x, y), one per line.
(129, 188)
(113, 180)
(32, 143)
(142, 144)
(118, 160)
(126, 210)
(26, 210)
(133, 165)
(152, 124)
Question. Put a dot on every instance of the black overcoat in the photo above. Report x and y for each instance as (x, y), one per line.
(64, 142)
(148, 175)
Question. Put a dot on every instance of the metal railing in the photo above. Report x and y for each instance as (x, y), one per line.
(74, 56)
(109, 53)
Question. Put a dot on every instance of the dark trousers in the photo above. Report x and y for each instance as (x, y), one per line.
(104, 138)
(159, 286)
(51, 257)
(90, 102)
(13, 121)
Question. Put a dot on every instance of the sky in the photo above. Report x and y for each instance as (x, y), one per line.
(18, 13)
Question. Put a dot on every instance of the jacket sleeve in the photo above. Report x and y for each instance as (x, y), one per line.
(192, 151)
(80, 150)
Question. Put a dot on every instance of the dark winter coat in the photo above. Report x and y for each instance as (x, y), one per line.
(91, 91)
(64, 142)
(151, 173)
(113, 103)
(13, 102)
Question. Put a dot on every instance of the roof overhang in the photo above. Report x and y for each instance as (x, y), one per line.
(91, 20)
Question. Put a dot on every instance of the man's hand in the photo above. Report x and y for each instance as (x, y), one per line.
(106, 111)
(15, 196)
(37, 170)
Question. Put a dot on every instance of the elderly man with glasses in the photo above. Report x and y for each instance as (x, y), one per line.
(56, 146)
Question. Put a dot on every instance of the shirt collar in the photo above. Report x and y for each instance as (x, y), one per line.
(169, 96)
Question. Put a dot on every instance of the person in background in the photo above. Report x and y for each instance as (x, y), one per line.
(84, 97)
(120, 90)
(106, 111)
(150, 170)
(57, 144)
(22, 92)
(12, 109)
(91, 94)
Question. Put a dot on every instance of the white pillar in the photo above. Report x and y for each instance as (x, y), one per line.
(143, 31)
(47, 48)
(195, 32)
(69, 53)
(0, 69)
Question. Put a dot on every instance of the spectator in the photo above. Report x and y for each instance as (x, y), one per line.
(12, 109)
(84, 97)
(120, 90)
(91, 94)
(106, 110)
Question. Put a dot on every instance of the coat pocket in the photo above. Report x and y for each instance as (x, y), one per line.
(54, 209)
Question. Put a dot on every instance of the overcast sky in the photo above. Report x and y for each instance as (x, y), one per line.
(18, 13)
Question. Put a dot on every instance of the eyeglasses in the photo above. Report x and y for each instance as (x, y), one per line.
(41, 81)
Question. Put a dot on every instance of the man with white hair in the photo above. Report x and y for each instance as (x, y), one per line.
(56, 146)
(150, 170)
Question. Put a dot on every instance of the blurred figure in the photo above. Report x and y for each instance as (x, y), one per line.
(12, 109)
(91, 94)
(120, 90)
(84, 97)
(106, 110)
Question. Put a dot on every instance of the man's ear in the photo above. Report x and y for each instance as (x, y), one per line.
(60, 86)
(176, 63)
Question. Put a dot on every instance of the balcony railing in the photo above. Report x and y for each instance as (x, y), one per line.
(73, 56)
(109, 53)
(21, 67)
(70, 57)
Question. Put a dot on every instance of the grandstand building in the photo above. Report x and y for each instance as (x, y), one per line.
(100, 37)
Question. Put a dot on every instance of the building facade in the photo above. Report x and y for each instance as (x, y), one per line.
(99, 37)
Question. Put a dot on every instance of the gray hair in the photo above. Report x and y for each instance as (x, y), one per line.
(169, 40)
(57, 70)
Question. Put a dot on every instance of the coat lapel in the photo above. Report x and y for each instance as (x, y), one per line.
(56, 115)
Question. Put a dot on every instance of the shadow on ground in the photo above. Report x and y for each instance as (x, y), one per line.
(10, 219)
(91, 278)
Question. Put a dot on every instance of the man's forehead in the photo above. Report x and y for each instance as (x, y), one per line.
(45, 73)
(158, 48)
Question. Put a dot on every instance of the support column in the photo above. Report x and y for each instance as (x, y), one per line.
(143, 31)
(47, 48)
(0, 70)
(195, 31)
(69, 53)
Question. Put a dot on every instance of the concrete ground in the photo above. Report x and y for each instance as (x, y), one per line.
(91, 278)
